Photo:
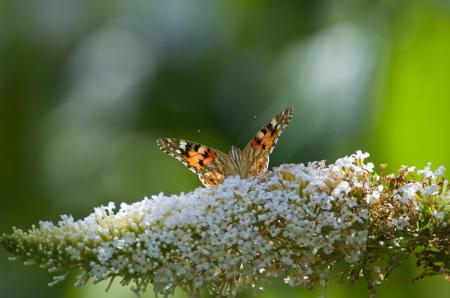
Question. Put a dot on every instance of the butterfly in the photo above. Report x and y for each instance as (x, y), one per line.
(213, 166)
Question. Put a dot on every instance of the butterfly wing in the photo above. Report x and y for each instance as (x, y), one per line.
(211, 165)
(258, 150)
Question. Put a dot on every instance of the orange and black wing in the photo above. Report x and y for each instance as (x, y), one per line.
(259, 148)
(211, 165)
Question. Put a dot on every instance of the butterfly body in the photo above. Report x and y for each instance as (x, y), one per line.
(213, 166)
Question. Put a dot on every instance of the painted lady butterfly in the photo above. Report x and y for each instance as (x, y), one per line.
(213, 166)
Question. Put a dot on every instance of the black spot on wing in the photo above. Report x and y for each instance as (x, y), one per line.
(186, 149)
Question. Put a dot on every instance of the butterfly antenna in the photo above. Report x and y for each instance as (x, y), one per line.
(211, 138)
(250, 125)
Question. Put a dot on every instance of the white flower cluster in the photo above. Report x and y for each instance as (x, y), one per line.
(294, 222)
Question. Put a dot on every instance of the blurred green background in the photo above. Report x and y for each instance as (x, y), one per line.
(87, 86)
